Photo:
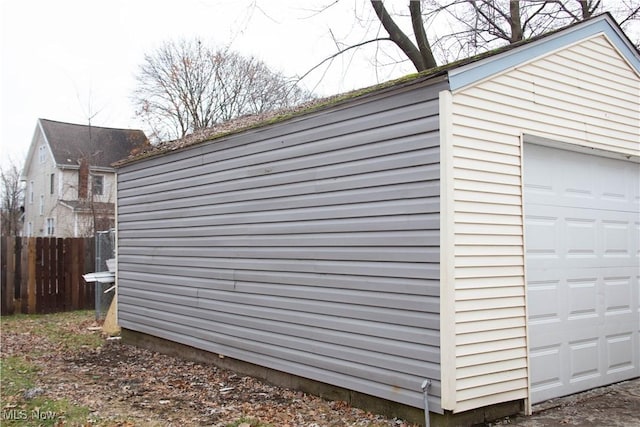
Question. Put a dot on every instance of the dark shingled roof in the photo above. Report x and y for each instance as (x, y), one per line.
(100, 146)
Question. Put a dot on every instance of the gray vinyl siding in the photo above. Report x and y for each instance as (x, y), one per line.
(309, 246)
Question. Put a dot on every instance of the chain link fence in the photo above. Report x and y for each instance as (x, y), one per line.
(105, 250)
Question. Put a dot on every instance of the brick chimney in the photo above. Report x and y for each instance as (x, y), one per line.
(83, 179)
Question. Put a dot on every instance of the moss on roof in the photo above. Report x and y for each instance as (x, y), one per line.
(250, 122)
(246, 123)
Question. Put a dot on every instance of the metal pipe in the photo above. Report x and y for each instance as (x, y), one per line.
(425, 391)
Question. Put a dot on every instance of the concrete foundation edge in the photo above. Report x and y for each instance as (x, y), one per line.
(326, 391)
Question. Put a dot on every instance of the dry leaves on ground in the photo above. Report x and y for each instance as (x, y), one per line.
(125, 385)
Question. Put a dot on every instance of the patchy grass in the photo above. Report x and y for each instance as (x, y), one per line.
(57, 370)
(22, 401)
(24, 404)
(17, 375)
(68, 331)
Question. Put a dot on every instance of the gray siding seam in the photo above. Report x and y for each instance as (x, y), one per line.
(311, 246)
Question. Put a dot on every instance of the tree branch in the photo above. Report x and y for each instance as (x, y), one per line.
(421, 37)
(397, 36)
(633, 15)
(497, 31)
(533, 15)
(514, 20)
(340, 52)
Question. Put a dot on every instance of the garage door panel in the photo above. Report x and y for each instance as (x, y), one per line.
(543, 301)
(582, 299)
(617, 236)
(582, 292)
(578, 239)
(618, 293)
(582, 226)
(547, 362)
(583, 329)
(613, 187)
(621, 350)
(584, 355)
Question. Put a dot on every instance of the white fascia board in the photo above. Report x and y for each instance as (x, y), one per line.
(46, 141)
(32, 151)
(102, 169)
(68, 167)
(471, 73)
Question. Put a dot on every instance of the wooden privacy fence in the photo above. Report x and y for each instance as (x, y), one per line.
(44, 274)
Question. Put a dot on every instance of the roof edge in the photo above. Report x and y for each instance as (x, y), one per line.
(431, 76)
(88, 125)
(473, 72)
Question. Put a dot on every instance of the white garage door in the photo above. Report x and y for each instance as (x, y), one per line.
(582, 227)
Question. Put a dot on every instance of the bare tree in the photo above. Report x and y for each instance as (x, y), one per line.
(186, 86)
(441, 31)
(419, 53)
(480, 25)
(12, 192)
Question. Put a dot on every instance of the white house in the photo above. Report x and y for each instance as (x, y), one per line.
(475, 226)
(69, 180)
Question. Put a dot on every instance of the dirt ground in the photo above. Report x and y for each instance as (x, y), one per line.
(128, 386)
(613, 405)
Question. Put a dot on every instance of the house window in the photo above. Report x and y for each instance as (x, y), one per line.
(42, 204)
(30, 192)
(52, 180)
(97, 185)
(42, 154)
(50, 227)
(29, 229)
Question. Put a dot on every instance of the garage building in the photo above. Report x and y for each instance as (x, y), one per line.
(476, 226)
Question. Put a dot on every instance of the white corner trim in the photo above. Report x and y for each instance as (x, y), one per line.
(527, 403)
(447, 258)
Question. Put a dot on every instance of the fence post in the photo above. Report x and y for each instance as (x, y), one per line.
(24, 273)
(39, 275)
(50, 278)
(75, 263)
(31, 284)
(17, 281)
(68, 258)
(60, 276)
(7, 271)
(12, 248)
(3, 275)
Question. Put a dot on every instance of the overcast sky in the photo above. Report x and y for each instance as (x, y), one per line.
(69, 59)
